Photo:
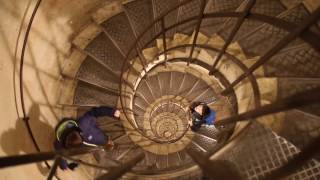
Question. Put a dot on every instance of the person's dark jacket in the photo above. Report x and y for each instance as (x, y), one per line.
(90, 132)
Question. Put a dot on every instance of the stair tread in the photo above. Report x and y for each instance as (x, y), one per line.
(269, 8)
(300, 61)
(94, 72)
(162, 6)
(118, 28)
(140, 13)
(103, 49)
(301, 128)
(186, 11)
(86, 94)
(273, 152)
(259, 42)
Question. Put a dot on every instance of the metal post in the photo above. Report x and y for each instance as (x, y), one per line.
(164, 42)
(54, 168)
(142, 60)
(42, 156)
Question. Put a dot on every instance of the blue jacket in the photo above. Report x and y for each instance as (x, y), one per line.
(91, 133)
(210, 118)
(198, 120)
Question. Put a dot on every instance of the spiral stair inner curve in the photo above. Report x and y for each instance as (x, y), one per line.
(163, 72)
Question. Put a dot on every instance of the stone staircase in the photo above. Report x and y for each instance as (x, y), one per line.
(158, 87)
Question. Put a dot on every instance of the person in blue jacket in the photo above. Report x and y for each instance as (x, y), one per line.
(71, 133)
(201, 114)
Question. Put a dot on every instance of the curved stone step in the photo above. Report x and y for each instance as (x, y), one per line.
(273, 152)
(298, 127)
(162, 6)
(300, 61)
(265, 7)
(102, 49)
(186, 11)
(313, 109)
(118, 29)
(140, 102)
(261, 39)
(145, 90)
(177, 79)
(225, 6)
(91, 71)
(88, 94)
(154, 85)
(187, 84)
(165, 79)
(202, 143)
(140, 14)
(290, 86)
(213, 25)
(180, 39)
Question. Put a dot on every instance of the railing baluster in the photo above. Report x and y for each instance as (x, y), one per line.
(54, 168)
(164, 42)
(142, 60)
(199, 21)
(313, 18)
(234, 31)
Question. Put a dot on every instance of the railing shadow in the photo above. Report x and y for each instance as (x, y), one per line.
(16, 140)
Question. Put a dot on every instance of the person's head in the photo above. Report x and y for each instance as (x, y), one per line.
(199, 107)
(109, 145)
(73, 139)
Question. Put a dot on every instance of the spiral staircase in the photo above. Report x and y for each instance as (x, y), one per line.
(153, 58)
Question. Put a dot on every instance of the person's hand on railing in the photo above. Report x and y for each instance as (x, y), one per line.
(117, 114)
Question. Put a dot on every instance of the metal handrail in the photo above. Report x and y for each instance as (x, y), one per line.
(25, 118)
(42, 156)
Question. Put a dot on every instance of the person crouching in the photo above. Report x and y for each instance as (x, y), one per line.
(81, 132)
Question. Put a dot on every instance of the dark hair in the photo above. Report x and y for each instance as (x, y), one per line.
(73, 139)
(71, 136)
(205, 110)
(194, 105)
